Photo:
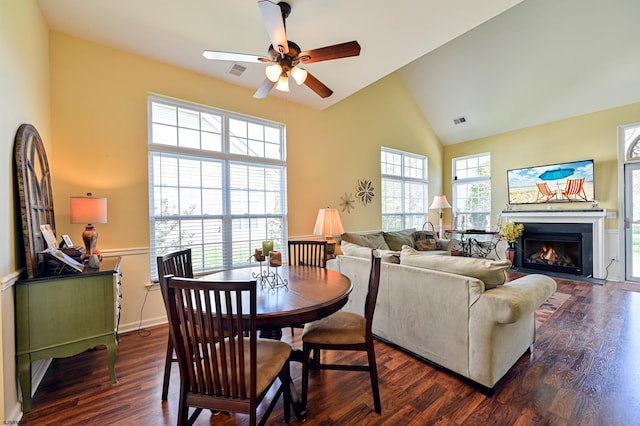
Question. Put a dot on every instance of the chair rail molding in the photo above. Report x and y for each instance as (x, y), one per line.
(9, 281)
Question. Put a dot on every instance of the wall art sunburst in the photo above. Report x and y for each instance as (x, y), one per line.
(347, 203)
(364, 191)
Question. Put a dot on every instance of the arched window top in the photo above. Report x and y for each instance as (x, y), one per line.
(633, 152)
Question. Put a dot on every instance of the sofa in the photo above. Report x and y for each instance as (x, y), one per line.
(458, 313)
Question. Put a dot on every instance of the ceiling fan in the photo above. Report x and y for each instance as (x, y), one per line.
(285, 56)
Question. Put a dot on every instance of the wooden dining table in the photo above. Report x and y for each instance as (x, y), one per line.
(310, 293)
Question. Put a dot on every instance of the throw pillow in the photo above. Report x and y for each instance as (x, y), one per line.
(389, 256)
(396, 239)
(366, 239)
(425, 240)
(491, 272)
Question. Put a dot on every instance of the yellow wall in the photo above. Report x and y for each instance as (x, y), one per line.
(24, 89)
(99, 131)
(593, 136)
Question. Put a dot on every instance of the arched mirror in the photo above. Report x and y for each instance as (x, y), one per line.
(36, 197)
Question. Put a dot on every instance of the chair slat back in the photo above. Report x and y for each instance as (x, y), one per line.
(177, 263)
(208, 322)
(309, 253)
(372, 291)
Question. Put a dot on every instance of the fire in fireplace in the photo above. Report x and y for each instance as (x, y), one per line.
(553, 252)
(564, 248)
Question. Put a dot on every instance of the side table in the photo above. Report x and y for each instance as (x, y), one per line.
(63, 315)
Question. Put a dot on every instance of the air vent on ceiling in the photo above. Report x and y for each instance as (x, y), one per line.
(459, 120)
(237, 70)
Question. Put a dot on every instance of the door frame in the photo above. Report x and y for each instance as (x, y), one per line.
(623, 160)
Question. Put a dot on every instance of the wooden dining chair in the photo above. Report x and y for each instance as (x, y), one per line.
(220, 369)
(177, 263)
(344, 331)
(309, 253)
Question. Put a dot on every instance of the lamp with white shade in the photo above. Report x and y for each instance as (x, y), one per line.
(88, 210)
(328, 224)
(440, 202)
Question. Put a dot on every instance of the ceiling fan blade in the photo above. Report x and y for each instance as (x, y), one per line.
(264, 89)
(236, 57)
(342, 50)
(272, 17)
(317, 86)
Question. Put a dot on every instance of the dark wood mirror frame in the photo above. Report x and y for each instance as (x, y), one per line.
(35, 193)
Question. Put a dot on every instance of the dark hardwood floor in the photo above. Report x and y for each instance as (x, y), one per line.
(584, 370)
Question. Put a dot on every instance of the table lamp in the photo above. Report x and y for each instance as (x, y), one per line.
(328, 223)
(88, 210)
(440, 202)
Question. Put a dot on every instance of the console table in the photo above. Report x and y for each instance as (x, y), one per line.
(63, 315)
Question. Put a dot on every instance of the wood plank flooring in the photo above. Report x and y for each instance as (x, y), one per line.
(584, 370)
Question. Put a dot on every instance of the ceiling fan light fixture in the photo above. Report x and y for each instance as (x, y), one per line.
(299, 75)
(273, 72)
(283, 83)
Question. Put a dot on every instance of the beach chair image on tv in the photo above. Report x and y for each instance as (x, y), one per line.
(544, 192)
(574, 190)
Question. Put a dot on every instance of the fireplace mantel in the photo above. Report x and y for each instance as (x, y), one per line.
(595, 217)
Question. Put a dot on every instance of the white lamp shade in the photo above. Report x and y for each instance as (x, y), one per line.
(299, 75)
(273, 72)
(440, 202)
(328, 223)
(283, 83)
(88, 209)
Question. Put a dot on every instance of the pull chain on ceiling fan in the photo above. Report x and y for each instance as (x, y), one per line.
(284, 55)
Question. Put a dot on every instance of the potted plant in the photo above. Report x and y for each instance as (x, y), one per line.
(510, 232)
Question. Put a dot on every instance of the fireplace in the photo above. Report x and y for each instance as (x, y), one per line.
(564, 248)
(547, 221)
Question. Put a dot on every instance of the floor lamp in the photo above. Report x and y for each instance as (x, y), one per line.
(440, 202)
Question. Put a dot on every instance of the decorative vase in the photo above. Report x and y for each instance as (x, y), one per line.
(510, 253)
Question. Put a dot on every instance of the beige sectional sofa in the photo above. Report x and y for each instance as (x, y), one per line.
(453, 319)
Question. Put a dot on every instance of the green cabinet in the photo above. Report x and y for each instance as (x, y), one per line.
(65, 315)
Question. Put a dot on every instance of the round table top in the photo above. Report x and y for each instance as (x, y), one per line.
(311, 293)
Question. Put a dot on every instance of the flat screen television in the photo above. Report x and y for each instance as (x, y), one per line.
(553, 183)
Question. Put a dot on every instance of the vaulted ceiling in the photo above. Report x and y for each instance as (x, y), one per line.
(500, 64)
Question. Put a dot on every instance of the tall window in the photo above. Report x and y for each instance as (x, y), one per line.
(472, 191)
(217, 184)
(404, 190)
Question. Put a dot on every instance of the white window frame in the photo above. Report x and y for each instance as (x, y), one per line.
(466, 217)
(229, 219)
(397, 208)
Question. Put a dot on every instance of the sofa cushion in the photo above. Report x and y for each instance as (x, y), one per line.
(355, 250)
(425, 240)
(396, 239)
(366, 239)
(491, 272)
